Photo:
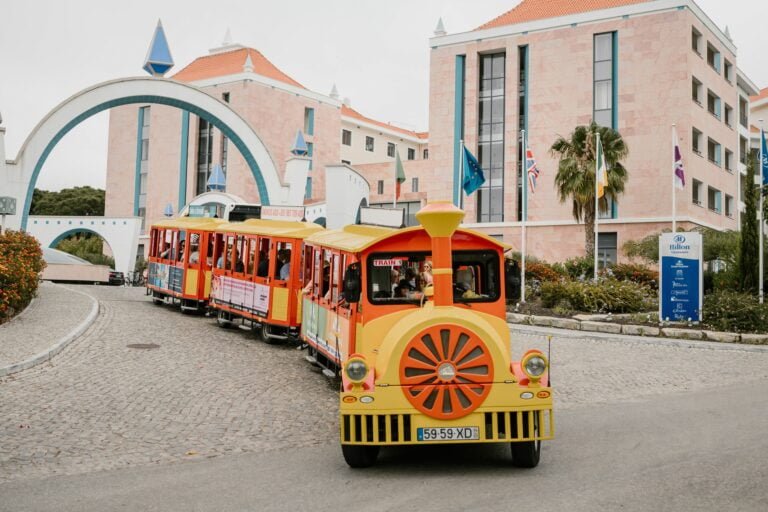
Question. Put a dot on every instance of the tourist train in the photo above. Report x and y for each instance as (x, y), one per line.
(412, 320)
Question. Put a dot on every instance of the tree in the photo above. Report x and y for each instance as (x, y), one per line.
(575, 179)
(750, 243)
(69, 201)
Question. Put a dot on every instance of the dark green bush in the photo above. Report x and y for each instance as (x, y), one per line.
(731, 311)
(579, 268)
(603, 296)
(636, 273)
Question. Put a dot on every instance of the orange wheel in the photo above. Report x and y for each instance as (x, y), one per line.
(446, 372)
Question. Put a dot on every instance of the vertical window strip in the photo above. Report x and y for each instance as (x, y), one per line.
(604, 111)
(522, 122)
(490, 150)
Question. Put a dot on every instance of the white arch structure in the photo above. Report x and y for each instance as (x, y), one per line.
(18, 177)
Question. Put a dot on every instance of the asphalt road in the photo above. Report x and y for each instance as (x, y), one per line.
(705, 450)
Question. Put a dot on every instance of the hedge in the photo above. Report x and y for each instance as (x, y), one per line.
(21, 261)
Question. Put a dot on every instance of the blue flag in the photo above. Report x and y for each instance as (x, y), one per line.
(764, 155)
(473, 173)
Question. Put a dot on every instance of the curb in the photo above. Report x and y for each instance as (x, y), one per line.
(60, 344)
(726, 338)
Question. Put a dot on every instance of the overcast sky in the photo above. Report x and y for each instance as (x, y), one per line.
(376, 52)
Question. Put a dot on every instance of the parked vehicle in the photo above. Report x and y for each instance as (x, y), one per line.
(116, 278)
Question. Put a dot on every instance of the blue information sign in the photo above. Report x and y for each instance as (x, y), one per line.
(680, 273)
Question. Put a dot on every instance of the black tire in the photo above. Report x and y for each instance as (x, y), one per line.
(360, 456)
(267, 339)
(157, 301)
(526, 454)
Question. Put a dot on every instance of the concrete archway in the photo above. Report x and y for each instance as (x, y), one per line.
(20, 176)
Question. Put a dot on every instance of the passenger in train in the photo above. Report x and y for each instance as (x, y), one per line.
(194, 255)
(284, 257)
(263, 269)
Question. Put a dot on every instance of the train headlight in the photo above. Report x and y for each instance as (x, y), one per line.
(534, 365)
(356, 370)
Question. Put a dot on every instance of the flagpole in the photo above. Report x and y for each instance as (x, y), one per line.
(674, 184)
(597, 209)
(761, 294)
(524, 177)
(394, 183)
(461, 176)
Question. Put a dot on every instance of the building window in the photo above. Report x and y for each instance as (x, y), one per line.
(411, 154)
(728, 71)
(225, 97)
(607, 249)
(713, 57)
(698, 190)
(696, 141)
(713, 104)
(743, 149)
(143, 215)
(522, 123)
(713, 200)
(728, 206)
(729, 160)
(728, 115)
(308, 189)
(380, 187)
(714, 152)
(696, 87)
(612, 212)
(144, 165)
(310, 152)
(414, 184)
(490, 196)
(603, 79)
(743, 112)
(204, 155)
(696, 41)
(144, 150)
(224, 153)
(309, 121)
(426, 154)
(346, 137)
(368, 143)
(390, 149)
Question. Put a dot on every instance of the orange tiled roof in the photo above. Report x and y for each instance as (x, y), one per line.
(760, 96)
(230, 63)
(350, 112)
(754, 129)
(531, 10)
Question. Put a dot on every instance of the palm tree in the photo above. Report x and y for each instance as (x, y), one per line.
(575, 177)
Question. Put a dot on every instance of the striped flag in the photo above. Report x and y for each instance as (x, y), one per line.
(679, 172)
(533, 170)
(601, 172)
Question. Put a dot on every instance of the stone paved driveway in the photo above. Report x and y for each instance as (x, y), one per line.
(207, 392)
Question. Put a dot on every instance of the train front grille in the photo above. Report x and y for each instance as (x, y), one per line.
(376, 428)
(519, 426)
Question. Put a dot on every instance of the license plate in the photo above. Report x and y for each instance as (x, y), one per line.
(448, 433)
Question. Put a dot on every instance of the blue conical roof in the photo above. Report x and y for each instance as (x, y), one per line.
(168, 212)
(158, 60)
(217, 180)
(300, 146)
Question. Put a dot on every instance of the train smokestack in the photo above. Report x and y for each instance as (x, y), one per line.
(440, 219)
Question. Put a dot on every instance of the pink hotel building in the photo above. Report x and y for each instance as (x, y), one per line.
(546, 66)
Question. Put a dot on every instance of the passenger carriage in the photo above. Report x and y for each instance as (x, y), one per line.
(415, 321)
(181, 260)
(258, 275)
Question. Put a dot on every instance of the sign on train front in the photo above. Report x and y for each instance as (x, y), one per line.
(680, 276)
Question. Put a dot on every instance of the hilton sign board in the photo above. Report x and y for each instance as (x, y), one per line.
(680, 276)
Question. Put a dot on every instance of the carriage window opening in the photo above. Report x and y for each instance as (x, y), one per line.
(400, 278)
(208, 255)
(326, 274)
(283, 266)
(240, 254)
(252, 244)
(306, 273)
(317, 279)
(194, 249)
(227, 253)
(262, 264)
(218, 250)
(335, 262)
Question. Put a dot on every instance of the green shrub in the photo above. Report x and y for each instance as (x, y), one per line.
(636, 273)
(730, 311)
(90, 248)
(603, 296)
(21, 261)
(580, 268)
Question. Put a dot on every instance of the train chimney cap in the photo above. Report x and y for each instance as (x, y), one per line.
(440, 218)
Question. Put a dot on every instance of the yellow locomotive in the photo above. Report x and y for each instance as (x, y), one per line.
(415, 321)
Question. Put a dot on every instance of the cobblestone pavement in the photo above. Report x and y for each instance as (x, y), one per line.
(207, 392)
(55, 312)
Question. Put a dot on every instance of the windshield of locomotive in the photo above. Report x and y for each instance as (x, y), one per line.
(400, 278)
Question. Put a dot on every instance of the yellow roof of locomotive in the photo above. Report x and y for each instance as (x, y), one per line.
(278, 228)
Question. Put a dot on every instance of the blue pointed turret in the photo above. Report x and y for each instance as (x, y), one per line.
(217, 180)
(300, 146)
(159, 59)
(168, 212)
